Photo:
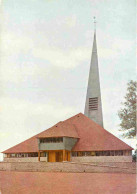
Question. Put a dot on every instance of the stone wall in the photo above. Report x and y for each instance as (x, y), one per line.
(64, 167)
(43, 159)
(5, 166)
(116, 164)
(102, 159)
(90, 159)
(27, 159)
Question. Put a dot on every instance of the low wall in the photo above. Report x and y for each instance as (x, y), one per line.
(116, 164)
(5, 166)
(76, 159)
(43, 159)
(27, 159)
(63, 167)
(102, 159)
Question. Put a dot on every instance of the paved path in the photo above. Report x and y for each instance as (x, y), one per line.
(66, 183)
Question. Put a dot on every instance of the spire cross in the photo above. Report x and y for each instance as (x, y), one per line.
(94, 22)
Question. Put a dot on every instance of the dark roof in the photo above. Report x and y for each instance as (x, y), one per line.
(92, 137)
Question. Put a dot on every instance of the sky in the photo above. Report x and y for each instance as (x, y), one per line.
(45, 57)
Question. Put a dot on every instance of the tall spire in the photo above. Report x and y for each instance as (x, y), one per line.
(93, 106)
(94, 23)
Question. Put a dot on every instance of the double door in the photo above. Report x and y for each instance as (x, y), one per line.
(57, 156)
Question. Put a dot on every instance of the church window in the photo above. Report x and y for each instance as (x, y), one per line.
(43, 154)
(84, 153)
(116, 153)
(112, 153)
(101, 153)
(88, 153)
(12, 155)
(22, 155)
(79, 153)
(127, 152)
(120, 153)
(93, 103)
(124, 152)
(93, 153)
(74, 154)
(51, 140)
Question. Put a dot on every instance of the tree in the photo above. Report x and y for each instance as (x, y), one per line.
(134, 156)
(127, 114)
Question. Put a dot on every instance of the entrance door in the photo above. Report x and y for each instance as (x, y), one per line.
(51, 157)
(59, 156)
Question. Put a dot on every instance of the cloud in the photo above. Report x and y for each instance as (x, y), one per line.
(114, 48)
(71, 21)
(68, 21)
(14, 43)
(18, 113)
(21, 119)
(60, 58)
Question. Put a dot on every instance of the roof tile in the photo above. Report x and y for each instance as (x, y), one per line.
(92, 137)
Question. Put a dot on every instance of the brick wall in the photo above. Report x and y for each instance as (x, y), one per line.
(102, 159)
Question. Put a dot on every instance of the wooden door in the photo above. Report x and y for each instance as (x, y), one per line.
(59, 156)
(68, 156)
(51, 157)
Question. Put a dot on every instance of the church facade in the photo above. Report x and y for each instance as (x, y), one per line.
(80, 138)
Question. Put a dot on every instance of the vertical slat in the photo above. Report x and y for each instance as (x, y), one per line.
(39, 156)
(64, 155)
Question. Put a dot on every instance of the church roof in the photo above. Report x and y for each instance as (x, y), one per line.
(61, 129)
(92, 137)
(28, 146)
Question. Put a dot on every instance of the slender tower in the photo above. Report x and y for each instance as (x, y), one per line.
(93, 106)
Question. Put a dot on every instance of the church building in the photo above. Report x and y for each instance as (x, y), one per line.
(80, 138)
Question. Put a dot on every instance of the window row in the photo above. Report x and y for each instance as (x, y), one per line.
(102, 153)
(51, 140)
(24, 155)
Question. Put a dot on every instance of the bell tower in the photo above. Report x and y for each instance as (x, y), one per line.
(93, 105)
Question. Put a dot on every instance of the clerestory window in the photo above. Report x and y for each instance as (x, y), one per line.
(51, 140)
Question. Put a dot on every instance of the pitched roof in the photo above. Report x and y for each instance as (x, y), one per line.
(28, 146)
(61, 129)
(31, 144)
(92, 137)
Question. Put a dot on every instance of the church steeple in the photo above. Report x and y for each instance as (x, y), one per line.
(93, 106)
